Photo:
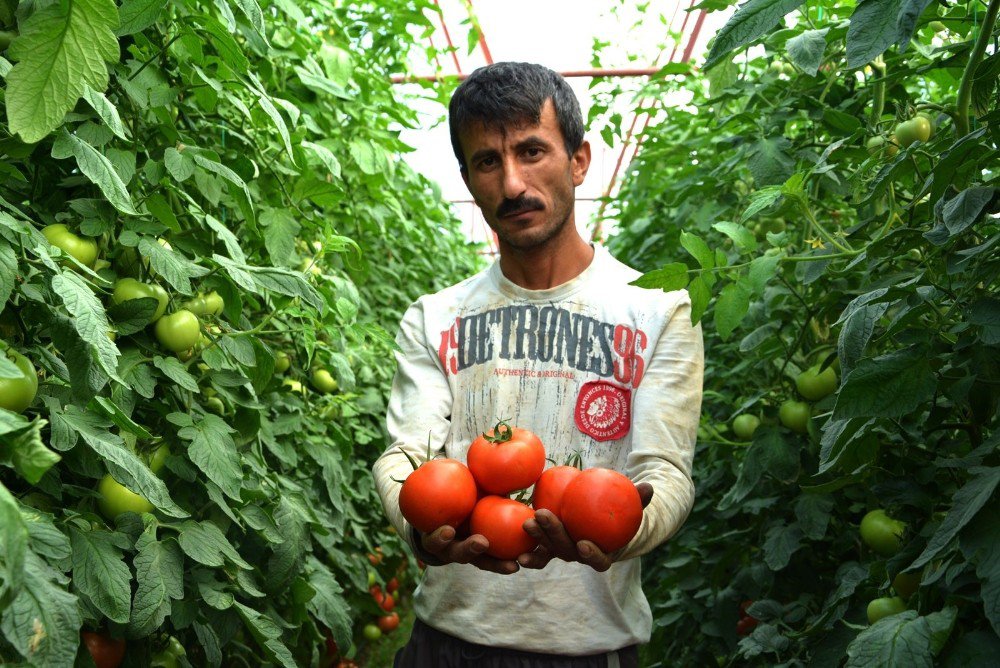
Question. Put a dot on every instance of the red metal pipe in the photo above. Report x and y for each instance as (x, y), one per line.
(607, 72)
(479, 29)
(447, 36)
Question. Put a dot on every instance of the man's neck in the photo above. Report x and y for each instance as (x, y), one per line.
(547, 266)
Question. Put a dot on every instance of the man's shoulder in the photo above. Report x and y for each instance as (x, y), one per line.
(456, 292)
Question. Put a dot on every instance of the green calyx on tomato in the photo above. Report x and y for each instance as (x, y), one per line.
(917, 128)
(814, 384)
(16, 394)
(178, 331)
(795, 415)
(745, 425)
(202, 305)
(83, 249)
(127, 289)
(323, 381)
(117, 499)
(106, 651)
(880, 608)
(883, 534)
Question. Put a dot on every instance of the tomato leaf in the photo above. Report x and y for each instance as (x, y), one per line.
(205, 543)
(159, 575)
(267, 635)
(902, 639)
(886, 386)
(100, 572)
(968, 501)
(806, 50)
(873, 29)
(213, 451)
(61, 49)
(750, 22)
(89, 319)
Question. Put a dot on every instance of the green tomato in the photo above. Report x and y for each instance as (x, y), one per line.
(937, 26)
(323, 381)
(745, 425)
(210, 304)
(881, 533)
(83, 249)
(795, 415)
(776, 66)
(814, 384)
(372, 632)
(295, 386)
(128, 288)
(178, 332)
(281, 362)
(905, 584)
(169, 656)
(885, 607)
(159, 458)
(215, 405)
(879, 145)
(910, 131)
(16, 394)
(117, 499)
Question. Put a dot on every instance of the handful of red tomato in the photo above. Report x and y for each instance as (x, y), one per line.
(596, 504)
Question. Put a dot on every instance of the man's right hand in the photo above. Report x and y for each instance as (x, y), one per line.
(444, 548)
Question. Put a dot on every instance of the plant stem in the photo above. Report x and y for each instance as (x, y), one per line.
(965, 89)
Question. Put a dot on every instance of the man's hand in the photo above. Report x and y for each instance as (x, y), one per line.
(445, 548)
(555, 543)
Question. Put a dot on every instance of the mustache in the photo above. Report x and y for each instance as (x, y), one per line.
(519, 205)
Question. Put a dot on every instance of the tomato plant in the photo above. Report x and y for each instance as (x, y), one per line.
(501, 521)
(602, 506)
(388, 623)
(18, 388)
(878, 153)
(550, 487)
(505, 459)
(439, 492)
(207, 149)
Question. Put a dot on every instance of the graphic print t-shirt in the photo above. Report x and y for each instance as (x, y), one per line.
(594, 366)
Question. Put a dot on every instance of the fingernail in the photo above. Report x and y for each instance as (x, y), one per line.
(585, 551)
(542, 521)
(478, 548)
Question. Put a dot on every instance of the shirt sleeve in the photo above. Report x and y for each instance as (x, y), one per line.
(666, 412)
(419, 413)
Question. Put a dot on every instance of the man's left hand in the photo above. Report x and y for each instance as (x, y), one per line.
(555, 543)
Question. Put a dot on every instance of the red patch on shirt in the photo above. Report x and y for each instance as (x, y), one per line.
(603, 410)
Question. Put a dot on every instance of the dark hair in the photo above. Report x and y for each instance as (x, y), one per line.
(503, 95)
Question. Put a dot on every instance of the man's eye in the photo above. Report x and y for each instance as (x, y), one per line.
(533, 152)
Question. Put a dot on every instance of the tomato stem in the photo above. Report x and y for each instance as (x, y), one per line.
(965, 88)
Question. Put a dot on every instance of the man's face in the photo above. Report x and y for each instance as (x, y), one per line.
(522, 179)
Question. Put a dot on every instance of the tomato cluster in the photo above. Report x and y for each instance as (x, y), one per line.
(599, 505)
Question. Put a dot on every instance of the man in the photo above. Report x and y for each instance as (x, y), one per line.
(553, 337)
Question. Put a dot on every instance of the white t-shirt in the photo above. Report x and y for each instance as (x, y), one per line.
(594, 365)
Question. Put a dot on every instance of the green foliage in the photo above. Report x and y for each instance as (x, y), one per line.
(242, 148)
(801, 248)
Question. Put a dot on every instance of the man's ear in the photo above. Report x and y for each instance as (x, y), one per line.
(581, 162)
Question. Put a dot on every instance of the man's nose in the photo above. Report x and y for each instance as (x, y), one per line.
(513, 180)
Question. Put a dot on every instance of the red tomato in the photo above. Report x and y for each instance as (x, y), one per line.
(743, 607)
(745, 626)
(387, 603)
(392, 585)
(389, 623)
(107, 652)
(505, 459)
(440, 492)
(548, 492)
(501, 521)
(376, 593)
(602, 506)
